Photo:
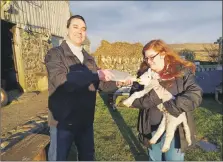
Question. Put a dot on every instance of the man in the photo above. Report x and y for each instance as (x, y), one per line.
(73, 78)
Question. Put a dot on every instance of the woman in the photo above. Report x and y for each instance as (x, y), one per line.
(177, 77)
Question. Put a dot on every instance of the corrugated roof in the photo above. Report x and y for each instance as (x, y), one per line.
(39, 15)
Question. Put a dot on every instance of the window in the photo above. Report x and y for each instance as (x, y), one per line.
(56, 41)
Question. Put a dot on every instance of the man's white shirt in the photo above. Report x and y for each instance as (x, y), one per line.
(77, 51)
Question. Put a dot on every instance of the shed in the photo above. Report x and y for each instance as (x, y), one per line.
(28, 27)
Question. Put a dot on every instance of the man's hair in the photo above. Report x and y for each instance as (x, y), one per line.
(75, 17)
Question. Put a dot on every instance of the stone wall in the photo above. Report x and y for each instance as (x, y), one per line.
(119, 55)
(128, 64)
(127, 57)
(33, 48)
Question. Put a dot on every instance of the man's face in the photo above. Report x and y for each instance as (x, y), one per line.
(77, 31)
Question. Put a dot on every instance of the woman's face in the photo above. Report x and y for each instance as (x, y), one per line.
(155, 60)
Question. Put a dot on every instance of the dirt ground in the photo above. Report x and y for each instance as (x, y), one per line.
(22, 109)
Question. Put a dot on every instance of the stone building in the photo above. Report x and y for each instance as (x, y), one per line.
(29, 30)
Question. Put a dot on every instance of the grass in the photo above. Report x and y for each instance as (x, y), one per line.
(116, 134)
(208, 118)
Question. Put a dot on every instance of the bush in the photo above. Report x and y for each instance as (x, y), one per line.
(187, 54)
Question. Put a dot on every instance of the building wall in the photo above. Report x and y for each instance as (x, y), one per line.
(36, 23)
(38, 16)
(33, 48)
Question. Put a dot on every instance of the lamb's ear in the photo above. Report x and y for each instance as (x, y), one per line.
(149, 70)
(150, 73)
(142, 69)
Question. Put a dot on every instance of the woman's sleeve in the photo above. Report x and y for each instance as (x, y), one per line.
(188, 100)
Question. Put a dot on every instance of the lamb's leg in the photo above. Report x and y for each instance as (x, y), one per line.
(128, 102)
(186, 129)
(159, 131)
(171, 126)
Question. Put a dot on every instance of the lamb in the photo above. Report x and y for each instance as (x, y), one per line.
(169, 122)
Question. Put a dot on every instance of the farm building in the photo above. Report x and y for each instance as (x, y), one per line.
(29, 30)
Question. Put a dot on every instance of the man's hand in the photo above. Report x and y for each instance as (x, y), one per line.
(104, 75)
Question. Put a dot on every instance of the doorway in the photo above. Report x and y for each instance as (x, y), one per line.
(8, 68)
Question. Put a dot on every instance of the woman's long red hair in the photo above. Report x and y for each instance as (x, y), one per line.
(173, 62)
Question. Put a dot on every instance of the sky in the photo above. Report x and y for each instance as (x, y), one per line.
(142, 21)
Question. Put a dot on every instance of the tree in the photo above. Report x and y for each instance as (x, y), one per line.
(213, 52)
(187, 54)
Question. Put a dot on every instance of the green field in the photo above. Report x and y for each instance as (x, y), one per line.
(116, 134)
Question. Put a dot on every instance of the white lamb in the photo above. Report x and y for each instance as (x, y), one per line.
(169, 122)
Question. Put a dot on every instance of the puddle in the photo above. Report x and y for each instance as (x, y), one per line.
(207, 146)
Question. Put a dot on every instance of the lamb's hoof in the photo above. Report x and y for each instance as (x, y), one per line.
(189, 143)
(152, 142)
(165, 149)
(126, 103)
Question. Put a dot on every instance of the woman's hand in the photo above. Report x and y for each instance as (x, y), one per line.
(124, 83)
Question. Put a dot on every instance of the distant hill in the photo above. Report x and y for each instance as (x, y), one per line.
(193, 46)
(125, 49)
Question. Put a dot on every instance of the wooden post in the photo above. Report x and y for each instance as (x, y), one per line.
(218, 90)
(30, 148)
(41, 156)
(18, 58)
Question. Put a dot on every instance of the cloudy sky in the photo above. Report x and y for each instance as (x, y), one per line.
(141, 21)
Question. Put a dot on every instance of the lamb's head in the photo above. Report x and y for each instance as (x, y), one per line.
(146, 78)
